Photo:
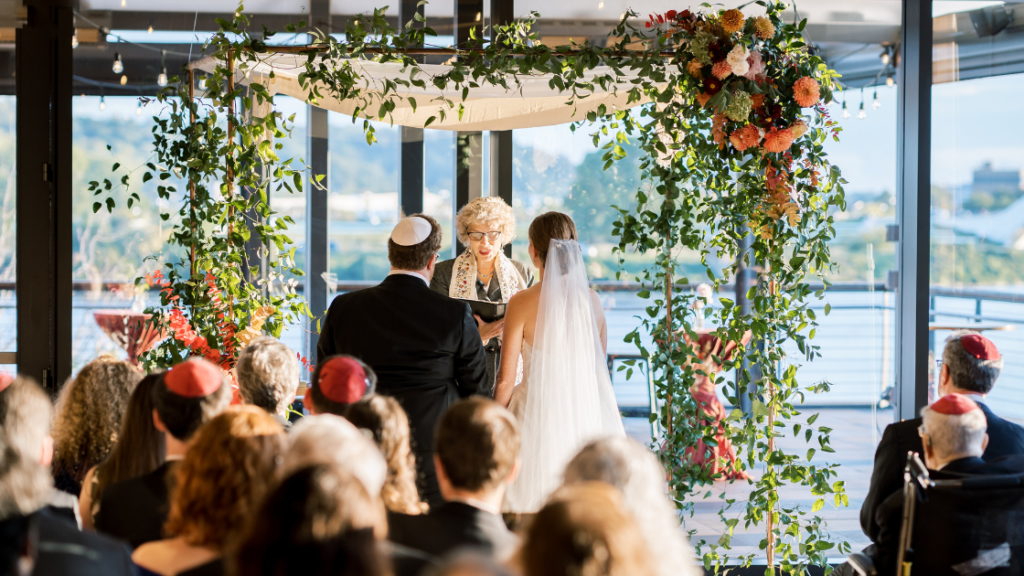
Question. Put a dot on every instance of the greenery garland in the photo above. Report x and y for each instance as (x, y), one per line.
(732, 147)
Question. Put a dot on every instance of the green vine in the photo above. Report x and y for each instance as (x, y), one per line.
(728, 155)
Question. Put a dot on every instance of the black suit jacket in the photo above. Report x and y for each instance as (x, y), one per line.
(64, 550)
(1004, 439)
(135, 510)
(424, 347)
(451, 526)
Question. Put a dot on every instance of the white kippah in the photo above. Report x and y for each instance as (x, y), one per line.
(411, 231)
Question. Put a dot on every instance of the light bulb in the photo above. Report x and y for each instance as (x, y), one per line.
(103, 103)
(889, 80)
(202, 83)
(150, 29)
(846, 112)
(861, 113)
(138, 109)
(118, 66)
(124, 79)
(885, 57)
(161, 80)
(875, 103)
(74, 41)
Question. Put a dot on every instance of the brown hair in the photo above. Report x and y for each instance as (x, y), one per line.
(583, 530)
(226, 471)
(319, 520)
(477, 442)
(384, 418)
(25, 484)
(417, 256)
(140, 446)
(89, 413)
(550, 226)
(183, 416)
(324, 405)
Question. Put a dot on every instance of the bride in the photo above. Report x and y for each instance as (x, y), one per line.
(565, 398)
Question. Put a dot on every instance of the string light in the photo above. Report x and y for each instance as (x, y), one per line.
(885, 55)
(124, 79)
(118, 66)
(161, 80)
(103, 103)
(202, 82)
(861, 113)
(889, 80)
(846, 112)
(875, 104)
(74, 40)
(138, 109)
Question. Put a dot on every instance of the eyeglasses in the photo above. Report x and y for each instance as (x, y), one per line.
(478, 236)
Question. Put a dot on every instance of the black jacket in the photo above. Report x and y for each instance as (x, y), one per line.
(135, 510)
(1004, 439)
(424, 347)
(451, 526)
(64, 550)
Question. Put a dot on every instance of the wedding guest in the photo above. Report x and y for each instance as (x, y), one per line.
(385, 419)
(584, 529)
(330, 439)
(268, 376)
(88, 416)
(319, 521)
(186, 396)
(476, 455)
(625, 464)
(225, 474)
(33, 538)
(469, 564)
(139, 450)
(483, 272)
(337, 382)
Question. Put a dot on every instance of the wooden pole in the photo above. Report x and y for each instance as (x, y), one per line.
(191, 180)
(231, 170)
(669, 340)
(432, 51)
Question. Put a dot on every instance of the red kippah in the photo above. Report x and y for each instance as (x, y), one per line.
(954, 405)
(980, 347)
(5, 380)
(342, 380)
(194, 379)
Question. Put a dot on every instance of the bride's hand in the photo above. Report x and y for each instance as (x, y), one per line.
(489, 330)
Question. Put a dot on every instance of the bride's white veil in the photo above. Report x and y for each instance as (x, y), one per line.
(570, 400)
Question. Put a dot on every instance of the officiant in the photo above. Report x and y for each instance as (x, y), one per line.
(483, 272)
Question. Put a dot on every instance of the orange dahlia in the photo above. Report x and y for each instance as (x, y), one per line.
(717, 131)
(703, 98)
(763, 27)
(757, 101)
(732, 21)
(694, 68)
(746, 137)
(778, 140)
(806, 91)
(721, 70)
(798, 128)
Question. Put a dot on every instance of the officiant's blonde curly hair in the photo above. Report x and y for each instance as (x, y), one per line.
(489, 210)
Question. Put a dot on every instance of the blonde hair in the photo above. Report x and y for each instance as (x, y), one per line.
(89, 413)
(487, 209)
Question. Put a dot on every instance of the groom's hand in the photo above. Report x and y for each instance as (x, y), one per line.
(489, 330)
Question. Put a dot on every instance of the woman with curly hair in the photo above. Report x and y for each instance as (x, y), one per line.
(229, 466)
(482, 271)
(385, 419)
(88, 416)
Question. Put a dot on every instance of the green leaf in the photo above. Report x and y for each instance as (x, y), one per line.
(818, 505)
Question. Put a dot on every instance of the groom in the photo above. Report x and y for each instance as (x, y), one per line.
(424, 347)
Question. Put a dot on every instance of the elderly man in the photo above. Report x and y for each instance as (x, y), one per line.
(970, 366)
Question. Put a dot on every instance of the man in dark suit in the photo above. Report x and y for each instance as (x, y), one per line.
(43, 538)
(424, 347)
(477, 457)
(970, 366)
(186, 397)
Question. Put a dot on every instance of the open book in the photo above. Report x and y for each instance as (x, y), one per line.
(487, 311)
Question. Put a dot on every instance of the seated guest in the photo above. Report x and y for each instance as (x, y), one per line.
(33, 539)
(635, 471)
(320, 520)
(88, 415)
(225, 474)
(469, 564)
(185, 397)
(139, 450)
(476, 455)
(970, 365)
(953, 436)
(268, 376)
(337, 382)
(385, 419)
(330, 439)
(584, 529)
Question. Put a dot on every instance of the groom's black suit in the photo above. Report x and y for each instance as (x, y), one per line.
(424, 347)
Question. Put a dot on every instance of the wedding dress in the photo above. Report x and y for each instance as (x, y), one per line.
(565, 398)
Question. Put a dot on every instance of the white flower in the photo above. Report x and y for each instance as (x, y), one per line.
(737, 60)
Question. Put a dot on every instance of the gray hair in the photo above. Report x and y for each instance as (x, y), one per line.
(955, 435)
(268, 374)
(967, 372)
(330, 439)
(635, 471)
(25, 482)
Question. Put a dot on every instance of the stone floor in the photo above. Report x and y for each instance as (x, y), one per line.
(855, 433)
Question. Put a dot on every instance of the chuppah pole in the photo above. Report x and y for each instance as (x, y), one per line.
(191, 180)
(231, 153)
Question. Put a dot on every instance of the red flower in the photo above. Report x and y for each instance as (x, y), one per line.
(647, 24)
(671, 14)
(712, 85)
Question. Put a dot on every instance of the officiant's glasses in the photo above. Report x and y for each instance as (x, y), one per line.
(478, 236)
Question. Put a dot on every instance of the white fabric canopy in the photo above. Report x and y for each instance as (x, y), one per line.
(529, 104)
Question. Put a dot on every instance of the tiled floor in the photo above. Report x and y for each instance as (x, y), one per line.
(854, 442)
